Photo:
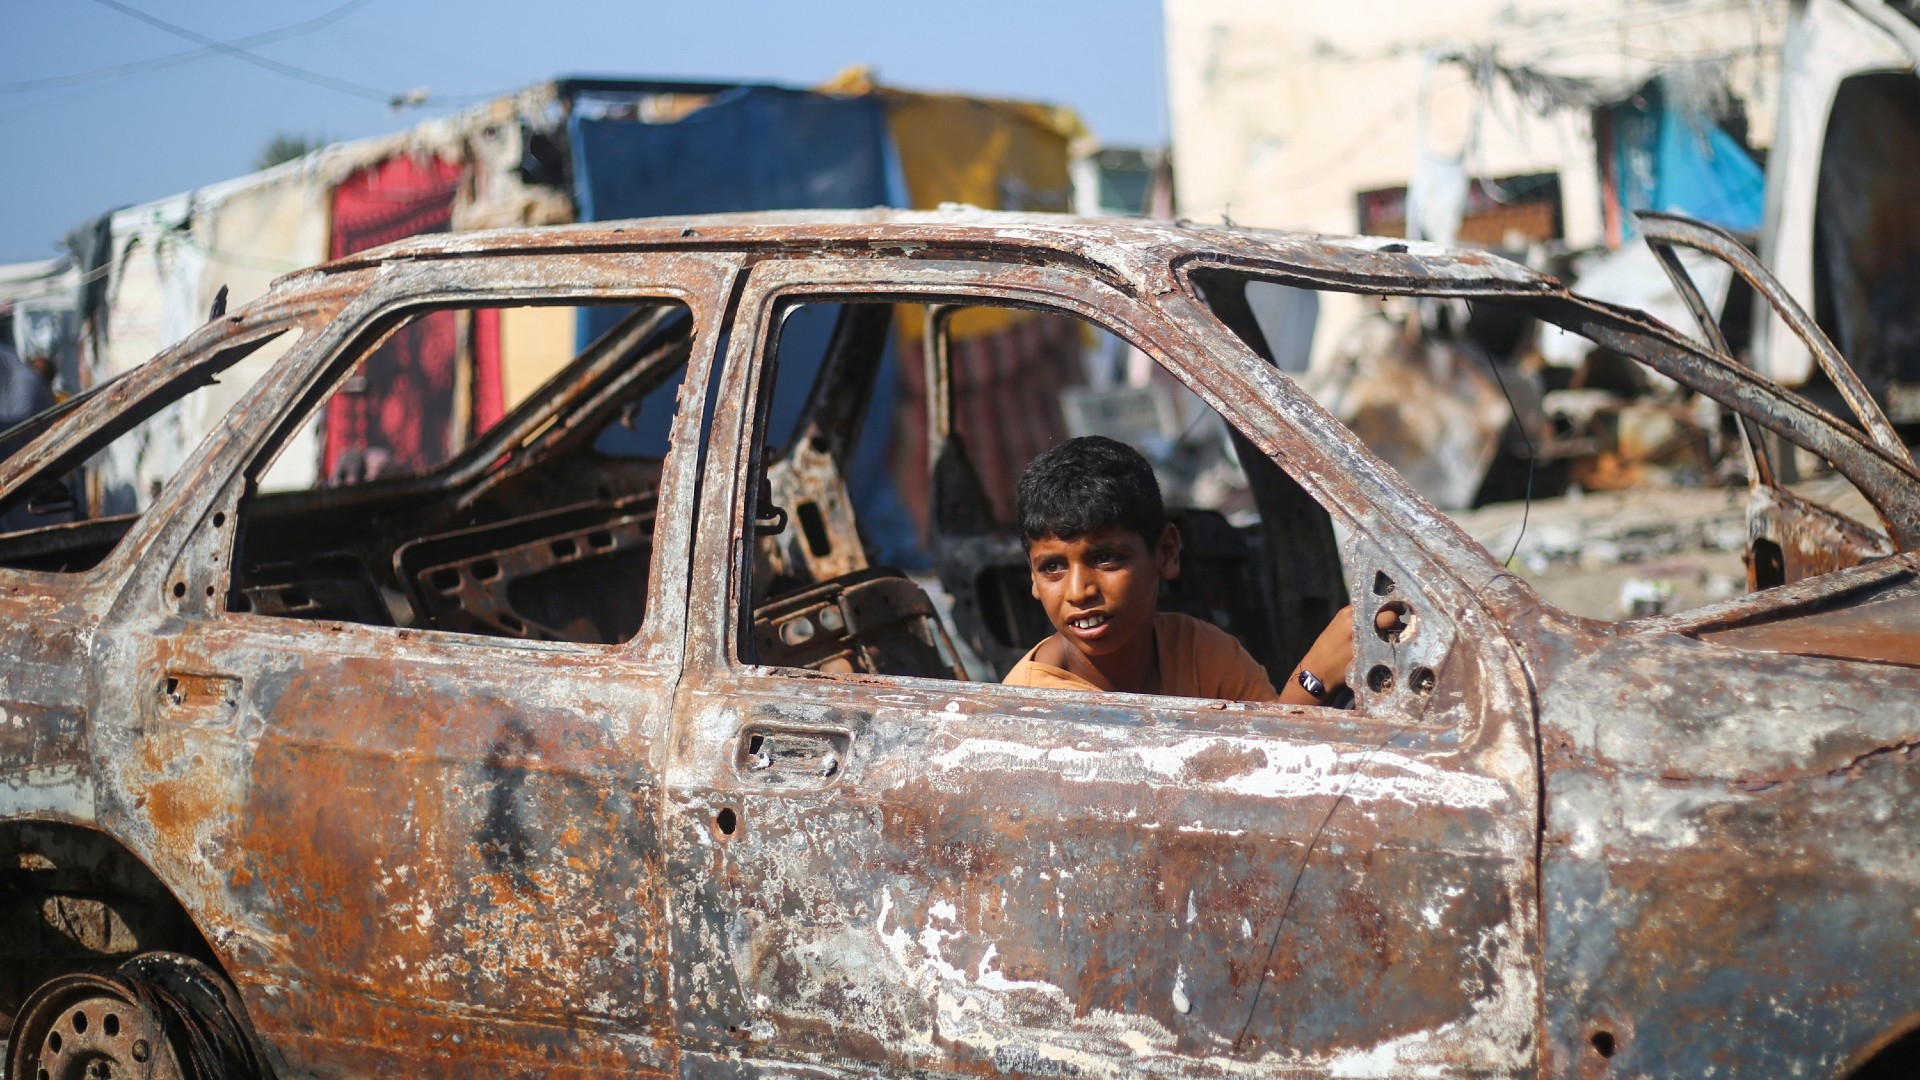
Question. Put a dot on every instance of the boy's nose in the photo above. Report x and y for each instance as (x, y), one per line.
(1082, 583)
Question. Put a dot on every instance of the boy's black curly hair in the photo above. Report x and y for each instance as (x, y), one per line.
(1087, 484)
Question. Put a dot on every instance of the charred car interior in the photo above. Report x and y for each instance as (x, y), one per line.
(623, 729)
(539, 529)
(1232, 575)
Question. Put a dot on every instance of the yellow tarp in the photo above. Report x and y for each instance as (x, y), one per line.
(996, 155)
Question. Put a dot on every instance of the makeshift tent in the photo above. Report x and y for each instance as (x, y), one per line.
(629, 148)
(750, 148)
(1009, 366)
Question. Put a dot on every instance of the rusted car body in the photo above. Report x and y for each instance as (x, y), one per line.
(281, 832)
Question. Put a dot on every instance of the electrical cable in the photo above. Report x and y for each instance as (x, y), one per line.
(265, 37)
(1527, 507)
(343, 86)
(1286, 907)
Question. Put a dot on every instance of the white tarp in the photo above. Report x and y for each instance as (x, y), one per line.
(1632, 277)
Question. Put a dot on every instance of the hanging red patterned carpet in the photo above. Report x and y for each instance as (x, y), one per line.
(396, 414)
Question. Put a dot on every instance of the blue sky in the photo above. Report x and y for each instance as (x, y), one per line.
(100, 109)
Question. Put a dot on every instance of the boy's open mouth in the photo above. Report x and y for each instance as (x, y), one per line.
(1089, 626)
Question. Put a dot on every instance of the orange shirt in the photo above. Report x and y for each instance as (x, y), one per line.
(1197, 660)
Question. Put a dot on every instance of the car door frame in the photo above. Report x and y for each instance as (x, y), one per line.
(189, 698)
(741, 926)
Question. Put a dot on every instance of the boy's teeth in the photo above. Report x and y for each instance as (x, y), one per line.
(1087, 622)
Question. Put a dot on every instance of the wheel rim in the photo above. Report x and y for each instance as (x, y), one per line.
(89, 1027)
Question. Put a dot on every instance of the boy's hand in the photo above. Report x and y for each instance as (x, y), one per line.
(1327, 660)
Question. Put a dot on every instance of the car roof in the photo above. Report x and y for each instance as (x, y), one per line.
(1122, 245)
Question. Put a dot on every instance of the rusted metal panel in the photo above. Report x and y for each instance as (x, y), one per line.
(478, 850)
(409, 848)
(1790, 539)
(1092, 890)
(1727, 877)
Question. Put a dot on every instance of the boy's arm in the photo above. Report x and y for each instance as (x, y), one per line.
(1327, 662)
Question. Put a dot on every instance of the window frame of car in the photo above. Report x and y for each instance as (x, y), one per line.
(724, 549)
(122, 403)
(1641, 338)
(261, 425)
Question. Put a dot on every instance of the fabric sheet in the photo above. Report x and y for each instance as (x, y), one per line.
(755, 148)
(1665, 159)
(1008, 366)
(251, 232)
(397, 413)
(151, 279)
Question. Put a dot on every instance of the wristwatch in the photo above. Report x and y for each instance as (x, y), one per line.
(1311, 684)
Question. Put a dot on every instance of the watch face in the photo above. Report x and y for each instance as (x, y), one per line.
(1311, 683)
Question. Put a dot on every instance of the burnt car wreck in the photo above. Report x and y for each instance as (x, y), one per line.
(554, 759)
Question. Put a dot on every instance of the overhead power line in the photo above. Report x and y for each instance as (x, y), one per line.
(265, 37)
(359, 90)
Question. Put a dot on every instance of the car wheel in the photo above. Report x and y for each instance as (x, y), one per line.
(159, 1016)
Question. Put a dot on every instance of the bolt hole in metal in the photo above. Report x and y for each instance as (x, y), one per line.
(1380, 679)
(726, 821)
(179, 589)
(1382, 584)
(1603, 1043)
(1393, 622)
(219, 518)
(1421, 680)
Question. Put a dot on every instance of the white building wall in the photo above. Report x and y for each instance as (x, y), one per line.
(1284, 110)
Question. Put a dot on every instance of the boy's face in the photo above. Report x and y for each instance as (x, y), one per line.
(1101, 588)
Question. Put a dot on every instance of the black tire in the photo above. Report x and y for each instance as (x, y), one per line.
(159, 1016)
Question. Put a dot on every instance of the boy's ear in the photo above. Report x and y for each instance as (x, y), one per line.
(1168, 552)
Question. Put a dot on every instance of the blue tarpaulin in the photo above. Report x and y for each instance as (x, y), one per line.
(752, 148)
(1668, 160)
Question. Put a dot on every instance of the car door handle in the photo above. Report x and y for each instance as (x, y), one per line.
(199, 689)
(198, 697)
(782, 757)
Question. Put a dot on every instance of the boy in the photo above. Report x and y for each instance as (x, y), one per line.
(1098, 546)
